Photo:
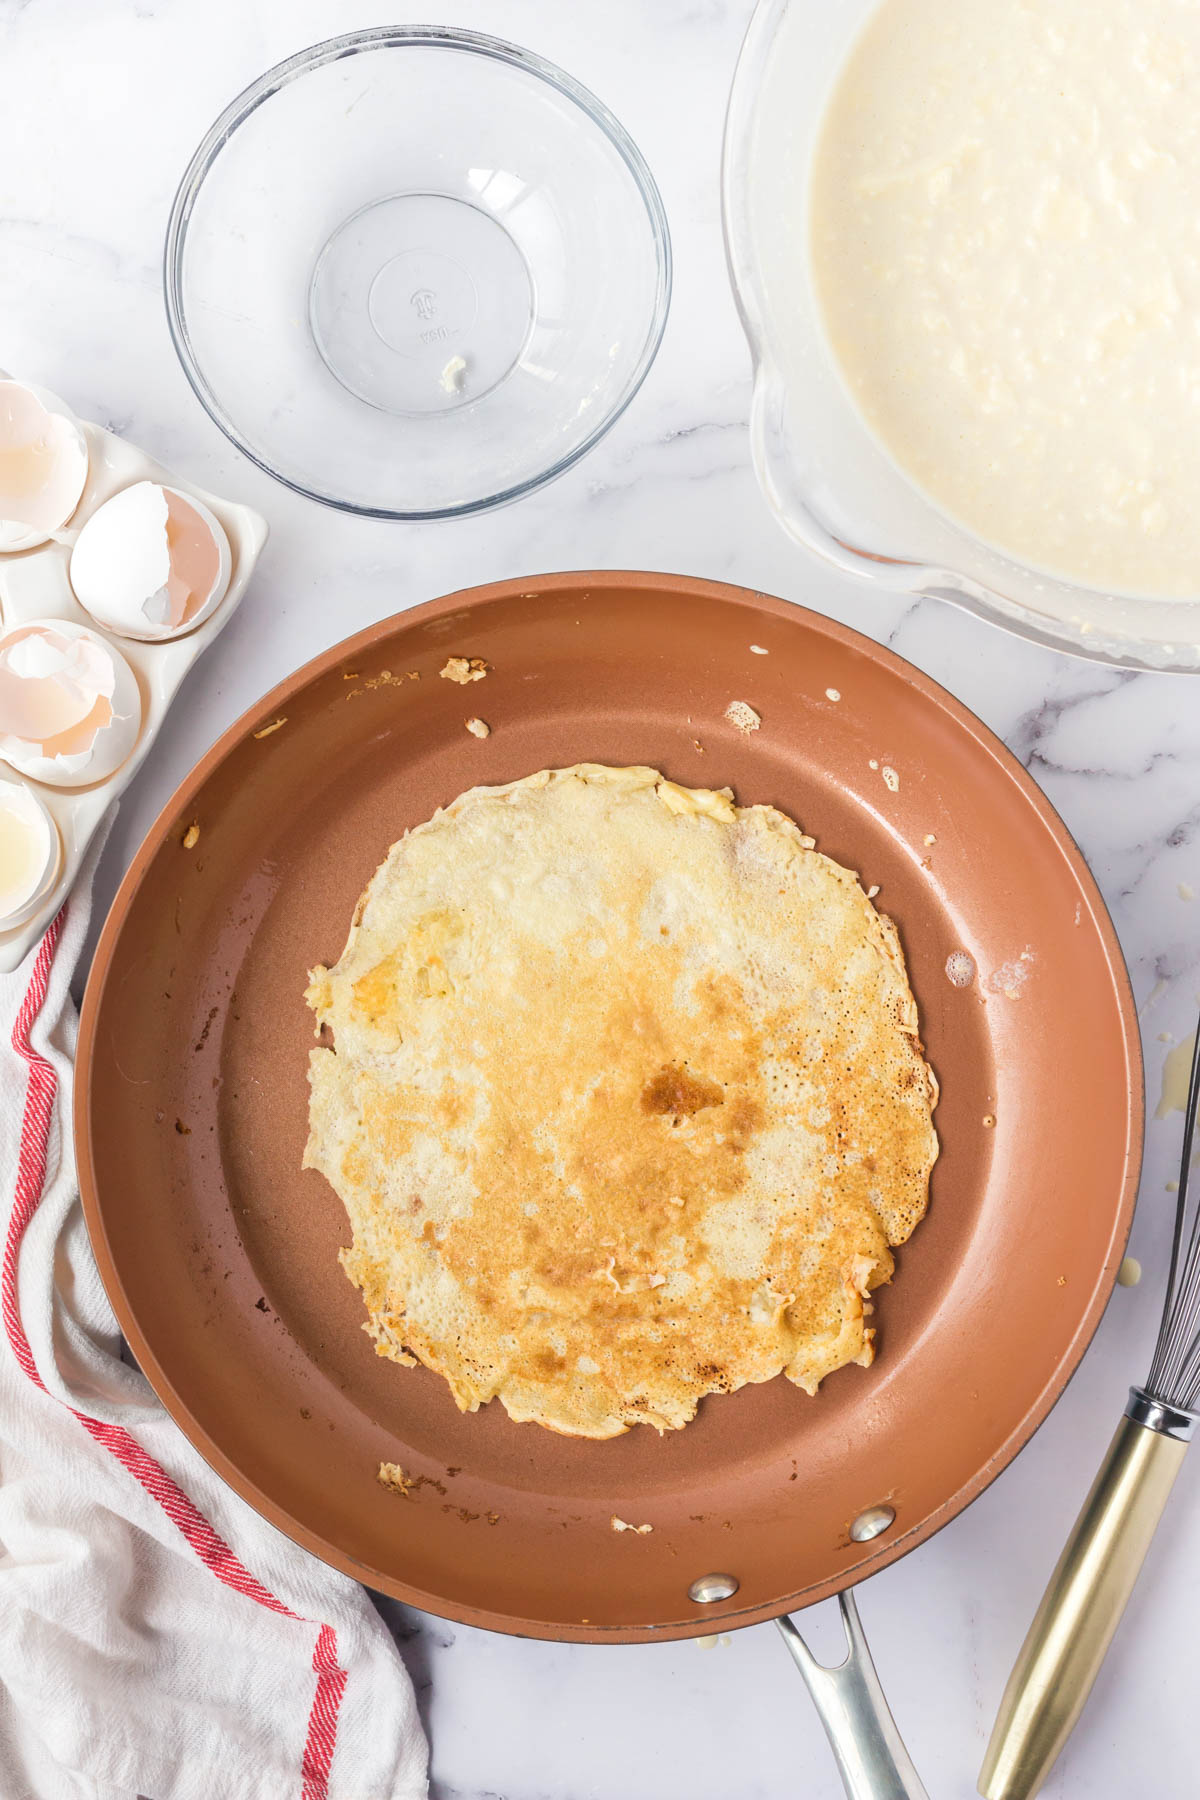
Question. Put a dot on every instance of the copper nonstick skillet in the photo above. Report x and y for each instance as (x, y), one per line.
(220, 1254)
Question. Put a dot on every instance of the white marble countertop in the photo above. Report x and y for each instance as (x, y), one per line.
(104, 102)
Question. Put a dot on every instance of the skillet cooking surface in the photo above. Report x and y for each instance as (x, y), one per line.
(220, 1254)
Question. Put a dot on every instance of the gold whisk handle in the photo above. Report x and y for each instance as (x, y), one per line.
(1086, 1596)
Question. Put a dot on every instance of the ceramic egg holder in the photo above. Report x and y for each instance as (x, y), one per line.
(35, 588)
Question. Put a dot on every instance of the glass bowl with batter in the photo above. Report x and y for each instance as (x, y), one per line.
(1054, 501)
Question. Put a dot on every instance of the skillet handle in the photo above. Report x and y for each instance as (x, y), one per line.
(870, 1753)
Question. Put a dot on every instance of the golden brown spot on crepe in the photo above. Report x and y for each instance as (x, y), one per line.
(653, 1164)
(386, 1129)
(742, 1120)
(375, 993)
(451, 1107)
(677, 1091)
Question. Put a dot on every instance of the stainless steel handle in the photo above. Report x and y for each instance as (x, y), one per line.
(870, 1753)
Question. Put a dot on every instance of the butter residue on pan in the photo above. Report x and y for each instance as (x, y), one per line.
(463, 669)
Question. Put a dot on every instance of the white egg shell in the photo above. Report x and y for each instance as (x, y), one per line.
(70, 707)
(151, 563)
(23, 891)
(43, 465)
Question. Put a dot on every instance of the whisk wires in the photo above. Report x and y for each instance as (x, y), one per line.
(1174, 1376)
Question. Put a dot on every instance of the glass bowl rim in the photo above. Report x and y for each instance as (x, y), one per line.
(390, 37)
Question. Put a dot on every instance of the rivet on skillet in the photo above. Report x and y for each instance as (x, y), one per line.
(871, 1523)
(707, 1588)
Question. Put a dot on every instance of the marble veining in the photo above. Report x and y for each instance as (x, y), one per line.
(103, 107)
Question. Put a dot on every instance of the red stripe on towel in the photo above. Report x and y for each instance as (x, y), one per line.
(208, 1545)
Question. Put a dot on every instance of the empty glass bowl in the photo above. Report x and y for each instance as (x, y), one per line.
(415, 272)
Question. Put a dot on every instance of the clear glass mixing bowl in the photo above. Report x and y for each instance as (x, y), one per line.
(825, 474)
(415, 272)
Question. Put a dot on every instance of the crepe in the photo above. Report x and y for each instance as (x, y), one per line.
(621, 1087)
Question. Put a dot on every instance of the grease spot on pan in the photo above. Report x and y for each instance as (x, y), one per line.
(1010, 978)
(960, 969)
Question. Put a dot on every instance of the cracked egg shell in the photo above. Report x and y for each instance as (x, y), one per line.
(151, 563)
(70, 707)
(43, 465)
(30, 852)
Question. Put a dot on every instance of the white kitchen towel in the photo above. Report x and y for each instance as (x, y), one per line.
(157, 1637)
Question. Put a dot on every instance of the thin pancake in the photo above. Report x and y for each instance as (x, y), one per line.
(623, 1093)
